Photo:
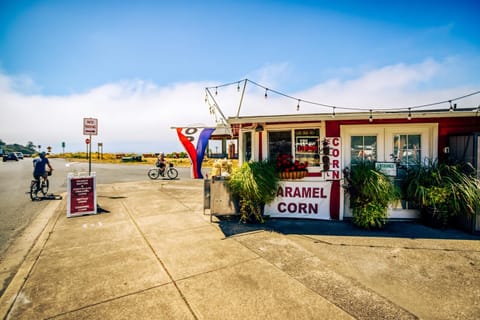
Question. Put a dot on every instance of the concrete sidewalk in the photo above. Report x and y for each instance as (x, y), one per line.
(156, 256)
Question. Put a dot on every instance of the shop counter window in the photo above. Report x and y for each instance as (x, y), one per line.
(279, 143)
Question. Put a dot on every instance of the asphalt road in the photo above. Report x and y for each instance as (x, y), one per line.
(16, 208)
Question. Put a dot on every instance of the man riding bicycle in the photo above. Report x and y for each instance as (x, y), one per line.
(39, 167)
(161, 162)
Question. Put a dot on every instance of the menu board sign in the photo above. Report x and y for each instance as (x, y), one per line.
(82, 196)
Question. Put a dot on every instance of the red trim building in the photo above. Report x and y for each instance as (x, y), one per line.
(392, 139)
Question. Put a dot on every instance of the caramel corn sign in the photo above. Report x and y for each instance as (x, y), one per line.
(307, 200)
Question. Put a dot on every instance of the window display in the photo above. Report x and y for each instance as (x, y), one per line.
(307, 146)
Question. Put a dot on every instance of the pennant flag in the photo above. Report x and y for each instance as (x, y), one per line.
(195, 141)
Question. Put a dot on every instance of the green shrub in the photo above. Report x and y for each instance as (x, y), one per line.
(445, 189)
(370, 194)
(255, 183)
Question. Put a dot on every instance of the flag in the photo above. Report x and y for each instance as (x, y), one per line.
(195, 141)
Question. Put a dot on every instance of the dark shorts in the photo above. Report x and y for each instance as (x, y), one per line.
(37, 176)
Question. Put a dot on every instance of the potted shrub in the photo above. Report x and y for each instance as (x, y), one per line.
(370, 193)
(255, 184)
(442, 191)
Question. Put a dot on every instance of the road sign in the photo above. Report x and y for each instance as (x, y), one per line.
(87, 141)
(90, 126)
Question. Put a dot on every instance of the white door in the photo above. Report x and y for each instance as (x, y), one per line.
(403, 144)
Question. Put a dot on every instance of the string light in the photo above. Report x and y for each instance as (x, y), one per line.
(370, 119)
(298, 105)
(351, 108)
(333, 112)
(409, 117)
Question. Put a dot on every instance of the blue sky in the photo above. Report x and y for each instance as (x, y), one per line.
(140, 67)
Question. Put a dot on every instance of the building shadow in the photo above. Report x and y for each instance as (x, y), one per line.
(231, 226)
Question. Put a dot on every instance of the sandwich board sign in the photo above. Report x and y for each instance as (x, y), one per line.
(82, 195)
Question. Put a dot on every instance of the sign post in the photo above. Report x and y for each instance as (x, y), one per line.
(88, 142)
(90, 128)
(82, 193)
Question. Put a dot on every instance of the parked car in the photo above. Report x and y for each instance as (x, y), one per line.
(19, 155)
(10, 156)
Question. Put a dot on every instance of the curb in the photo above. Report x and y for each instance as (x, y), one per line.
(25, 251)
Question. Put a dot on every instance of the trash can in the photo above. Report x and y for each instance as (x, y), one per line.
(222, 202)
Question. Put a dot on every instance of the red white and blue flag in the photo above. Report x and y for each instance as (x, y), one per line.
(195, 141)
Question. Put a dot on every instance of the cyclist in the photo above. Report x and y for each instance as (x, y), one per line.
(161, 162)
(39, 167)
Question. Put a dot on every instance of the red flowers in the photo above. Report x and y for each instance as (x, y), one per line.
(285, 163)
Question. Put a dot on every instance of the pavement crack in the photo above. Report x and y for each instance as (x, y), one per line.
(386, 247)
(160, 261)
(304, 267)
(107, 301)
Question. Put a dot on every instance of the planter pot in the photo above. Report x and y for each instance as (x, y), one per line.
(435, 218)
(293, 175)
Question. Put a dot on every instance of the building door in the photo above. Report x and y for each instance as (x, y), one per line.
(404, 144)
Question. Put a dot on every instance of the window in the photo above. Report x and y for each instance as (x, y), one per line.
(307, 146)
(247, 146)
(407, 149)
(279, 142)
(363, 148)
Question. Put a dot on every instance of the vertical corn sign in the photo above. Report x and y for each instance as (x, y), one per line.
(195, 141)
(331, 159)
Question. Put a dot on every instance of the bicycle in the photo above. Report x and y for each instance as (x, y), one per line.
(40, 185)
(169, 170)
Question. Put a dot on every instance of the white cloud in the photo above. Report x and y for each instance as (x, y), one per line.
(137, 115)
(133, 116)
(394, 86)
(272, 75)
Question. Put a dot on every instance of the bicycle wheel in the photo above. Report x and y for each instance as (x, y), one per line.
(153, 174)
(44, 188)
(33, 190)
(172, 173)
